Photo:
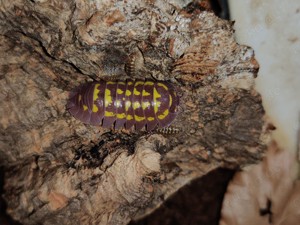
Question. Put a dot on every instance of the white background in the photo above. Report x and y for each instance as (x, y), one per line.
(272, 29)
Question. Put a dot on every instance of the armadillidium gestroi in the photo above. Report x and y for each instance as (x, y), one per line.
(138, 103)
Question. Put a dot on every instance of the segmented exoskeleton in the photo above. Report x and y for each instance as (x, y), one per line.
(125, 103)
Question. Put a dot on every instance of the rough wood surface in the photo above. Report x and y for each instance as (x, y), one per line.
(60, 171)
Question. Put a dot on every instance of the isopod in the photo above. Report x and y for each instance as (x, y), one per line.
(139, 103)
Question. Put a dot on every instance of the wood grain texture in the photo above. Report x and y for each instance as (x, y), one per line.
(60, 171)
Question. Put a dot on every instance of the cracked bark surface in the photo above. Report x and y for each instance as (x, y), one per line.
(61, 171)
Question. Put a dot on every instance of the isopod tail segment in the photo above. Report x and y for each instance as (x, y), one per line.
(139, 103)
(83, 104)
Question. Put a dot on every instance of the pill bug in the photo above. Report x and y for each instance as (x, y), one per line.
(138, 103)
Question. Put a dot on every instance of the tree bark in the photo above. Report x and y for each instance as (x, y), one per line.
(61, 171)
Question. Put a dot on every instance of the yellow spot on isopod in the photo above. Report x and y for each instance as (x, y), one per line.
(138, 118)
(150, 118)
(95, 97)
(162, 85)
(128, 93)
(156, 94)
(119, 91)
(95, 108)
(162, 116)
(136, 92)
(136, 105)
(110, 82)
(121, 115)
(109, 114)
(79, 98)
(145, 105)
(156, 103)
(129, 117)
(170, 100)
(96, 92)
(149, 83)
(127, 105)
(85, 107)
(145, 93)
(107, 97)
(118, 104)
